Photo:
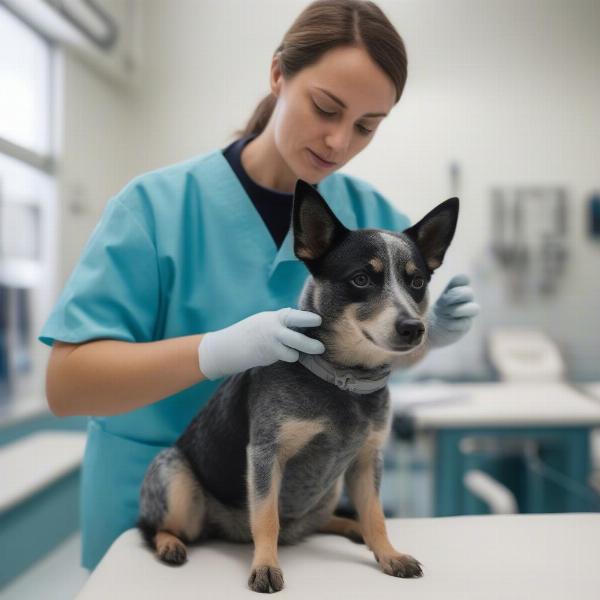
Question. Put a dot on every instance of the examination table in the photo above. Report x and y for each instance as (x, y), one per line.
(509, 557)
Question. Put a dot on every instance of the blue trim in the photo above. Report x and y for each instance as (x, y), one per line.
(33, 528)
(565, 449)
(42, 422)
(36, 526)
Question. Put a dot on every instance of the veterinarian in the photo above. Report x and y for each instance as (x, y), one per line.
(190, 274)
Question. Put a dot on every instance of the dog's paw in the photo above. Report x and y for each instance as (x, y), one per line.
(173, 553)
(265, 579)
(400, 565)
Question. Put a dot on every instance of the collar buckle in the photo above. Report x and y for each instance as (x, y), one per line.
(344, 381)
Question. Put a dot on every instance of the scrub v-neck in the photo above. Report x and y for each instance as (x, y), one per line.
(256, 236)
(274, 207)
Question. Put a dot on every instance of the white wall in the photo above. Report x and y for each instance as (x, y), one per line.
(509, 90)
(93, 156)
(206, 65)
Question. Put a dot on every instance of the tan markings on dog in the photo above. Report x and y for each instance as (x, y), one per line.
(168, 546)
(186, 506)
(342, 526)
(264, 521)
(294, 435)
(377, 264)
(303, 252)
(377, 437)
(433, 263)
(410, 358)
(364, 496)
(339, 486)
(411, 268)
(381, 324)
(338, 525)
(317, 298)
(350, 343)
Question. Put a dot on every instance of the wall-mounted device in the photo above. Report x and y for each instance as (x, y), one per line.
(594, 216)
(529, 237)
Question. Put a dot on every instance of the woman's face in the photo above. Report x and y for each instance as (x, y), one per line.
(328, 112)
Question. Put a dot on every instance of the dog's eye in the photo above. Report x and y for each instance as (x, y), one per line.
(417, 283)
(361, 280)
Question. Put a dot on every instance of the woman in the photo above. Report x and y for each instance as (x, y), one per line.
(204, 246)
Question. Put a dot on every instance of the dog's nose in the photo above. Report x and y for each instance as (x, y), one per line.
(410, 330)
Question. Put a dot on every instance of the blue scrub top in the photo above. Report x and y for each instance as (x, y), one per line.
(179, 251)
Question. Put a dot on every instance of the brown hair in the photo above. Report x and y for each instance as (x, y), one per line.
(324, 25)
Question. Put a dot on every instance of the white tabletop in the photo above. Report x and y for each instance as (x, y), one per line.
(497, 405)
(550, 557)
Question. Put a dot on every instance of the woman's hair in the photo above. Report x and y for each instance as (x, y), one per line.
(327, 24)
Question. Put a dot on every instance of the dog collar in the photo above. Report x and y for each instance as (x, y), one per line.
(351, 380)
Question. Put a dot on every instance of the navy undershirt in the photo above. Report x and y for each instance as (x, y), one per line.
(274, 207)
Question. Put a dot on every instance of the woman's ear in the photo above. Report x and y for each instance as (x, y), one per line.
(276, 77)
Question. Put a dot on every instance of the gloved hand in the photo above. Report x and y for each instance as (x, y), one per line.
(452, 314)
(258, 340)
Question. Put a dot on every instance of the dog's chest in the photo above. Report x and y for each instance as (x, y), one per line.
(320, 430)
(326, 456)
(313, 471)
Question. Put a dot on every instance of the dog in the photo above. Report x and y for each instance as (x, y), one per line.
(266, 459)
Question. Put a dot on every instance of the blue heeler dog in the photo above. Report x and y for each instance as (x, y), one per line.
(267, 457)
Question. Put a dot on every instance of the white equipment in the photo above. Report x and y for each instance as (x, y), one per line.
(521, 354)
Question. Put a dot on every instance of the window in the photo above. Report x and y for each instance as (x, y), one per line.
(27, 201)
(25, 86)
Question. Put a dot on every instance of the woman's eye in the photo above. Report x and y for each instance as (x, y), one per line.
(329, 115)
(323, 112)
(364, 130)
(360, 280)
(417, 283)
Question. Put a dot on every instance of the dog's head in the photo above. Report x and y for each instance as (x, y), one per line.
(369, 285)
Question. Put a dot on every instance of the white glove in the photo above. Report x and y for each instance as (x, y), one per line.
(259, 340)
(453, 313)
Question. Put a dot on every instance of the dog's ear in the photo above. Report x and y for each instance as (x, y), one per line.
(434, 232)
(316, 229)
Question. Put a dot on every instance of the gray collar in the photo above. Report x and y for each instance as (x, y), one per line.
(352, 380)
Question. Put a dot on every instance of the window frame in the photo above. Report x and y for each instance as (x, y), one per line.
(43, 162)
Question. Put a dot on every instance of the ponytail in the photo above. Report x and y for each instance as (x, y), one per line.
(259, 119)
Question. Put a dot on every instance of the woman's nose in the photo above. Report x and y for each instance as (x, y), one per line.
(338, 139)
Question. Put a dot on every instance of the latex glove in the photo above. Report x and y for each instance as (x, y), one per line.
(452, 314)
(259, 340)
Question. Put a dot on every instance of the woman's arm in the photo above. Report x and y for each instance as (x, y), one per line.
(109, 377)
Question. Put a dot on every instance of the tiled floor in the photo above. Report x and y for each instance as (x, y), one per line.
(56, 577)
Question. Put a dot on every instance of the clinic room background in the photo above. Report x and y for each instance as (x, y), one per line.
(501, 109)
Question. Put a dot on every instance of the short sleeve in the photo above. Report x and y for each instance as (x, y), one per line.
(114, 290)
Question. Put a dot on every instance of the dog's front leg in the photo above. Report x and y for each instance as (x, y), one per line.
(264, 480)
(362, 482)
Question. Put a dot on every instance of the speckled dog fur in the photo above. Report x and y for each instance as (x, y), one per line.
(266, 459)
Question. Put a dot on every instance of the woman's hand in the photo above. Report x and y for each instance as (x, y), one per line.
(258, 340)
(453, 313)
